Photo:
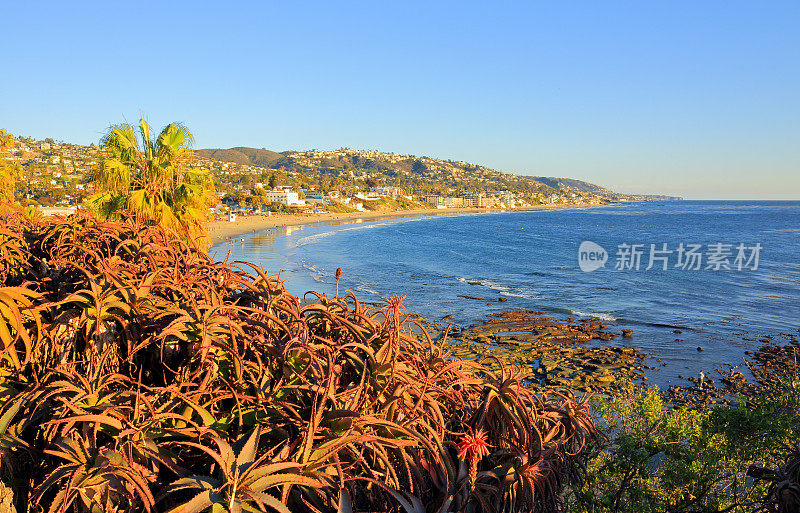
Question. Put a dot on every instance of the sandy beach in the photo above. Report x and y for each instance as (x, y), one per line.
(220, 231)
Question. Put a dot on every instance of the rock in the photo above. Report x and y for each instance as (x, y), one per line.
(700, 348)
(627, 333)
(677, 331)
(502, 299)
(547, 364)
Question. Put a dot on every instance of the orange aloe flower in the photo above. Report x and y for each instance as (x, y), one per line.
(474, 446)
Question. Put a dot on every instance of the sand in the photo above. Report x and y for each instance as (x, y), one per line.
(220, 231)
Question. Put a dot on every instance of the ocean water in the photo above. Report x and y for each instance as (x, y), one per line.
(531, 259)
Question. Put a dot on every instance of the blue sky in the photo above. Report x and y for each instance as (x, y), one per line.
(699, 99)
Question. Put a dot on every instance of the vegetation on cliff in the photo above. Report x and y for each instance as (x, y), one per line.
(139, 375)
(664, 459)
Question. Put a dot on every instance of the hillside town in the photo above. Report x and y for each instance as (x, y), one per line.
(57, 175)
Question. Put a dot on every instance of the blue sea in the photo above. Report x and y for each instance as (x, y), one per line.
(732, 276)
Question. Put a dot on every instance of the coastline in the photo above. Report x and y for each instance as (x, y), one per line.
(221, 231)
(555, 344)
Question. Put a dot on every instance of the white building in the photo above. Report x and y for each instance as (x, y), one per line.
(389, 191)
(285, 196)
(370, 196)
(454, 202)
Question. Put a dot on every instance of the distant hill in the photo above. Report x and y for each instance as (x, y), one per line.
(568, 183)
(412, 173)
(242, 155)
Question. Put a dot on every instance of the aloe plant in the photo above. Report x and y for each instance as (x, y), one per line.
(139, 374)
(242, 480)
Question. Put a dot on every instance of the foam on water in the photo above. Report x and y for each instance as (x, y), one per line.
(598, 315)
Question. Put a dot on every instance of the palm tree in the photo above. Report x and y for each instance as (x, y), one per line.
(149, 178)
(6, 141)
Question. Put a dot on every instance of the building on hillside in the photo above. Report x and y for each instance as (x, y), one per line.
(454, 202)
(480, 200)
(284, 196)
(389, 191)
(370, 196)
(315, 197)
(435, 200)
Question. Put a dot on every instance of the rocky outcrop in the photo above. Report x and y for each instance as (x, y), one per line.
(556, 351)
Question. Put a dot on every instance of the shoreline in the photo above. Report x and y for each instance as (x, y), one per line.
(567, 362)
(221, 231)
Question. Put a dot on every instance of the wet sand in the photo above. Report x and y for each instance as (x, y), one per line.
(220, 231)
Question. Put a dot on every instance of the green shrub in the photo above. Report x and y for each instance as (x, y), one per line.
(661, 459)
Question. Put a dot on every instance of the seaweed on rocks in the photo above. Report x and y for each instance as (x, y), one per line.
(555, 350)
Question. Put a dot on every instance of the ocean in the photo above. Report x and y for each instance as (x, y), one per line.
(732, 277)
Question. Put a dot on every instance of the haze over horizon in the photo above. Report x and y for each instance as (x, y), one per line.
(685, 99)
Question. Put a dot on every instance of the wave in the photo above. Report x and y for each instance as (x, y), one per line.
(504, 290)
(485, 283)
(364, 288)
(318, 274)
(598, 315)
(311, 239)
(521, 295)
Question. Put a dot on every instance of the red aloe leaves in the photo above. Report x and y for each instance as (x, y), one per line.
(138, 374)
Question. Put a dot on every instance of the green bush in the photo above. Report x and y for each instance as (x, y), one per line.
(658, 459)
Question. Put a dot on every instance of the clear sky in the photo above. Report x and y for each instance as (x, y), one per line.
(693, 98)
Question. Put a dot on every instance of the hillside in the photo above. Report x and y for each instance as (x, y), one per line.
(567, 183)
(422, 175)
(56, 174)
(242, 155)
